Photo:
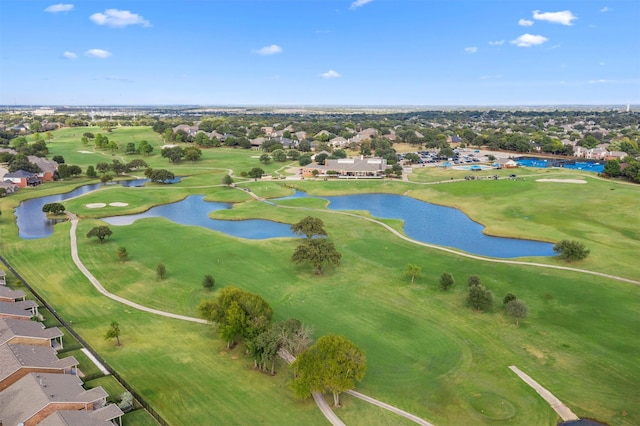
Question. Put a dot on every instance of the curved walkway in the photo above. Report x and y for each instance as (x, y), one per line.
(94, 281)
(563, 411)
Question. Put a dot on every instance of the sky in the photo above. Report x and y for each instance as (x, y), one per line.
(320, 52)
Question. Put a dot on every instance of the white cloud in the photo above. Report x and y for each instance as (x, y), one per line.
(528, 40)
(118, 18)
(525, 23)
(97, 53)
(69, 55)
(274, 49)
(356, 4)
(330, 74)
(606, 9)
(496, 43)
(564, 17)
(471, 49)
(601, 81)
(55, 8)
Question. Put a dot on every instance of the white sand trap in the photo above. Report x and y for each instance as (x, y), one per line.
(562, 180)
(96, 205)
(85, 152)
(118, 204)
(168, 146)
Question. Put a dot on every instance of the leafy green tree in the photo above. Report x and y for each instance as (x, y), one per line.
(237, 313)
(571, 250)
(192, 153)
(227, 180)
(413, 271)
(309, 227)
(63, 171)
(208, 282)
(91, 172)
(173, 154)
(279, 155)
(130, 148)
(106, 178)
(118, 167)
(317, 251)
(74, 170)
(265, 158)
(58, 159)
(517, 309)
(304, 160)
(144, 148)
(136, 164)
(473, 280)
(508, 298)
(293, 154)
(161, 271)
(412, 158)
(123, 254)
(113, 332)
(480, 298)
(612, 168)
(100, 232)
(321, 158)
(333, 363)
(160, 175)
(446, 281)
(103, 167)
(255, 173)
(53, 208)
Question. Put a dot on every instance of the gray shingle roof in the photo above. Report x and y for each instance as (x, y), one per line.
(15, 357)
(10, 328)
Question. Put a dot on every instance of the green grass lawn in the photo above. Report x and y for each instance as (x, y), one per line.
(427, 353)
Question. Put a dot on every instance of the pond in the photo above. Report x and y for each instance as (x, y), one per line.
(444, 226)
(194, 211)
(423, 221)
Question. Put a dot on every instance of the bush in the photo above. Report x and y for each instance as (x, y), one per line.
(571, 250)
(446, 281)
(508, 298)
(473, 280)
(480, 298)
(517, 309)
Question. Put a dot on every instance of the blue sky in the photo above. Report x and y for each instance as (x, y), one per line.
(320, 52)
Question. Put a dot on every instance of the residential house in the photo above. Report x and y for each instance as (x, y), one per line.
(189, 130)
(105, 416)
(22, 310)
(16, 361)
(615, 155)
(301, 135)
(338, 142)
(22, 179)
(29, 333)
(48, 167)
(9, 187)
(268, 130)
(9, 295)
(37, 396)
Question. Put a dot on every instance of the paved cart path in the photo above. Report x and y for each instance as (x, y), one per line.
(563, 411)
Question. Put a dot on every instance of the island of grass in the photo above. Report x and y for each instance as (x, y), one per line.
(427, 353)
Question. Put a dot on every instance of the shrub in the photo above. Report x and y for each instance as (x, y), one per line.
(571, 250)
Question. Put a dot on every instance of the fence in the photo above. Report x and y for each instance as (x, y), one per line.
(68, 328)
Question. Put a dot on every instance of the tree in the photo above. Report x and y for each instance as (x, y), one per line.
(58, 159)
(612, 168)
(161, 271)
(101, 232)
(113, 332)
(192, 153)
(304, 160)
(413, 271)
(174, 154)
(480, 298)
(473, 280)
(103, 167)
(571, 250)
(106, 178)
(123, 254)
(208, 282)
(333, 363)
(309, 227)
(279, 155)
(508, 298)
(321, 158)
(126, 402)
(317, 251)
(227, 180)
(412, 157)
(144, 148)
(255, 173)
(265, 158)
(53, 208)
(130, 148)
(160, 175)
(517, 309)
(293, 154)
(237, 313)
(136, 164)
(446, 281)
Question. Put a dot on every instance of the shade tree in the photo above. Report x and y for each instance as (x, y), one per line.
(100, 232)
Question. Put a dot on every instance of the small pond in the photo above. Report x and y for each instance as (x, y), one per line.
(194, 211)
(444, 226)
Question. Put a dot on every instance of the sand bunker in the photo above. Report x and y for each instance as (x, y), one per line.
(562, 180)
(96, 205)
(118, 204)
(85, 152)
